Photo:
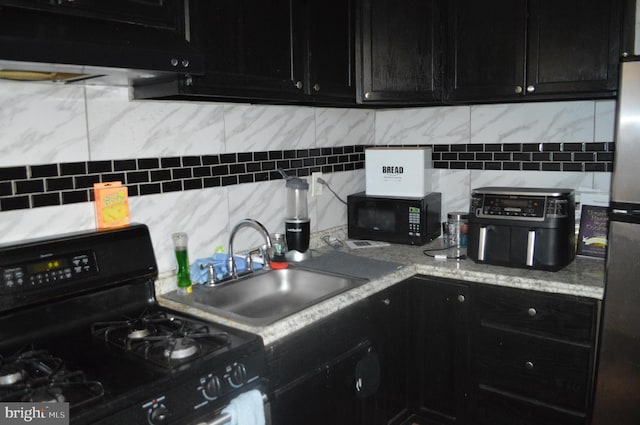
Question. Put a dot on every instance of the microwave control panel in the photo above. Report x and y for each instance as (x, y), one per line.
(415, 214)
(522, 207)
(49, 271)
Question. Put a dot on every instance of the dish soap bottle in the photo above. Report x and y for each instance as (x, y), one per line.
(180, 241)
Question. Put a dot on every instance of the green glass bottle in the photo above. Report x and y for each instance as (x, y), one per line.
(180, 241)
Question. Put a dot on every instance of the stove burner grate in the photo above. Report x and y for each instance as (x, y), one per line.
(162, 339)
(38, 376)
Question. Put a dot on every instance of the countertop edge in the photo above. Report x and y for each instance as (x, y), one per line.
(274, 332)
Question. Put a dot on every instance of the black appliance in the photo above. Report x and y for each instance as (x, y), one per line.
(80, 324)
(412, 221)
(522, 227)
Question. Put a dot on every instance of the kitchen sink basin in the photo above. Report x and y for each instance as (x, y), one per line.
(263, 298)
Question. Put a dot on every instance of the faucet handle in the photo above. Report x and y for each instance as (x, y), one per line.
(231, 266)
(266, 260)
(211, 274)
(249, 259)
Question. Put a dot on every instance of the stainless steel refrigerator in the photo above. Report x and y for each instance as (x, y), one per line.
(617, 391)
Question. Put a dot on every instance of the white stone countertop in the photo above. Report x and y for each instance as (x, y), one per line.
(583, 277)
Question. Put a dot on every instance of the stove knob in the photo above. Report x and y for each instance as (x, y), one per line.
(213, 388)
(238, 375)
(159, 415)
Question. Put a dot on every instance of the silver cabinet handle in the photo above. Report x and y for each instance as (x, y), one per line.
(482, 241)
(529, 365)
(461, 298)
(367, 95)
(316, 87)
(386, 301)
(298, 85)
(531, 247)
(518, 89)
(532, 312)
(531, 89)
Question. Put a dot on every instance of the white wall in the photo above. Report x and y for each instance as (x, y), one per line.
(42, 124)
(547, 122)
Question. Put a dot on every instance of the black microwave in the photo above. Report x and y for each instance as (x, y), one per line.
(411, 221)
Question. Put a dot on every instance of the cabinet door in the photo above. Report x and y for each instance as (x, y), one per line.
(398, 56)
(331, 50)
(487, 49)
(441, 313)
(573, 46)
(325, 395)
(166, 14)
(248, 46)
(392, 337)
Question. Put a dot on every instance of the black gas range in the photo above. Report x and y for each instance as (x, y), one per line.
(80, 324)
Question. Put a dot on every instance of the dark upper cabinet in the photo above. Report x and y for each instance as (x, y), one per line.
(518, 49)
(325, 31)
(248, 48)
(276, 51)
(486, 48)
(166, 14)
(573, 46)
(398, 53)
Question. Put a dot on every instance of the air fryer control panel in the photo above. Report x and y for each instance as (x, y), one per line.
(518, 206)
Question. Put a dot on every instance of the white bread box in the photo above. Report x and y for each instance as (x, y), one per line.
(398, 171)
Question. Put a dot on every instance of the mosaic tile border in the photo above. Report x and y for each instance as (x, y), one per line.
(34, 186)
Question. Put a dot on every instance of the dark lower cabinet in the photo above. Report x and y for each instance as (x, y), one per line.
(325, 395)
(392, 334)
(533, 357)
(323, 374)
(440, 311)
(497, 409)
(436, 351)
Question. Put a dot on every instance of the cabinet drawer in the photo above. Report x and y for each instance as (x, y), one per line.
(560, 316)
(549, 371)
(497, 409)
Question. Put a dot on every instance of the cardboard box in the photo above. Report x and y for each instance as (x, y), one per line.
(398, 172)
(112, 205)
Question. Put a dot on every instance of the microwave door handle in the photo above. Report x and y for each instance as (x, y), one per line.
(482, 243)
(531, 246)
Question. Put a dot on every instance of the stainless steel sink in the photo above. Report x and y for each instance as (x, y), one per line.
(266, 297)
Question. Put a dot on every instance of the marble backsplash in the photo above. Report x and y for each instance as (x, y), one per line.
(44, 124)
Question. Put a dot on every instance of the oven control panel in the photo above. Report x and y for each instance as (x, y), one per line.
(47, 271)
(200, 397)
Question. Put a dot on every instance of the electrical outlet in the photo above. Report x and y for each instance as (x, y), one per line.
(316, 188)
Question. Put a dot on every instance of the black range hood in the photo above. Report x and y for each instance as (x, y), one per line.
(36, 45)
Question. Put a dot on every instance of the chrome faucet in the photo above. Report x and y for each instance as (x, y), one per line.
(248, 222)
